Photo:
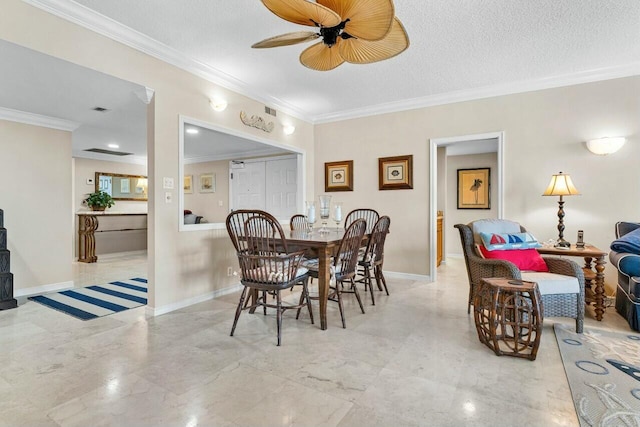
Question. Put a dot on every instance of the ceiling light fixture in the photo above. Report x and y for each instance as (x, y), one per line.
(604, 146)
(288, 129)
(113, 146)
(218, 104)
(192, 131)
(351, 31)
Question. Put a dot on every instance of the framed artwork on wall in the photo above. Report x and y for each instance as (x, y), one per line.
(208, 183)
(338, 176)
(395, 173)
(474, 188)
(188, 184)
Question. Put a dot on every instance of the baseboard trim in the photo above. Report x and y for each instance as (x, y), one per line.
(409, 276)
(157, 311)
(37, 290)
(455, 256)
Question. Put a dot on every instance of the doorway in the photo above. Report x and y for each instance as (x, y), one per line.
(472, 143)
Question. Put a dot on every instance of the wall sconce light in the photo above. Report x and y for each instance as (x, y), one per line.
(218, 104)
(604, 146)
(288, 129)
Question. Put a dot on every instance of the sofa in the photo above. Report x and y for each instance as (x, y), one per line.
(191, 218)
(625, 256)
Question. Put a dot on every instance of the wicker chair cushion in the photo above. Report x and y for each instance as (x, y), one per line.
(493, 226)
(551, 283)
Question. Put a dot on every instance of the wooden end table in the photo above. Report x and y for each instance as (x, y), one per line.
(508, 316)
(590, 254)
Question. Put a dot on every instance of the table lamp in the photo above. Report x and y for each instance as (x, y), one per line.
(561, 185)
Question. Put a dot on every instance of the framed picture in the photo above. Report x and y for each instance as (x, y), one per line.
(474, 188)
(395, 173)
(338, 176)
(124, 186)
(207, 183)
(188, 184)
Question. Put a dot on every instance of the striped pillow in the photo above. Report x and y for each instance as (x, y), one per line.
(505, 241)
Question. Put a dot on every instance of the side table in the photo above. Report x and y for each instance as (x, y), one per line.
(508, 316)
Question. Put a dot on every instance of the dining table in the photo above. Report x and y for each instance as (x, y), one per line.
(322, 245)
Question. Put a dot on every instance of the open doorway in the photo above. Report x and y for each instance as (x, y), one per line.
(444, 188)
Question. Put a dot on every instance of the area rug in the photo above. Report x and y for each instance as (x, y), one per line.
(603, 369)
(98, 300)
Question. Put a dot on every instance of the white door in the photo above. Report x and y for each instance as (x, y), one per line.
(282, 187)
(248, 186)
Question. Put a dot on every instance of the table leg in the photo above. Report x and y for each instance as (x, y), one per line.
(599, 305)
(324, 259)
(87, 225)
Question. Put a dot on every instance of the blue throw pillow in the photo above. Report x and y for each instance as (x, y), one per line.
(629, 243)
(505, 241)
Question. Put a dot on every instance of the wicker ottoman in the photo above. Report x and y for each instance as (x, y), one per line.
(508, 316)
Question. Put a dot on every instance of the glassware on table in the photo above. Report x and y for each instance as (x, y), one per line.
(311, 214)
(337, 213)
(325, 210)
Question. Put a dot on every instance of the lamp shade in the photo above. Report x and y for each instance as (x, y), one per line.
(561, 185)
(604, 146)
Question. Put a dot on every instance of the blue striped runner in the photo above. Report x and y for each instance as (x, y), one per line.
(98, 300)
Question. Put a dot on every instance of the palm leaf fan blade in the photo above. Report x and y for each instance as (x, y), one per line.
(303, 12)
(321, 57)
(358, 51)
(286, 39)
(368, 19)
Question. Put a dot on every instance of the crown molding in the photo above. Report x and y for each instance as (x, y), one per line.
(38, 120)
(114, 30)
(98, 23)
(589, 76)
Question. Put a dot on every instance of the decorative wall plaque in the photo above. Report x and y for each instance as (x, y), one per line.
(256, 122)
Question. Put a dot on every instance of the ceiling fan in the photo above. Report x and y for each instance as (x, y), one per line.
(355, 31)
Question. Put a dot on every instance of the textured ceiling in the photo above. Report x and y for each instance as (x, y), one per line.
(456, 48)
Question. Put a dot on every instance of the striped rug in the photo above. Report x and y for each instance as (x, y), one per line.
(98, 300)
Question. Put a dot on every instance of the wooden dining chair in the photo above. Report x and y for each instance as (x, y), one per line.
(373, 258)
(343, 267)
(299, 222)
(369, 215)
(266, 269)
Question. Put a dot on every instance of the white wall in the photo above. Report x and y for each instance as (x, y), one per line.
(453, 215)
(35, 194)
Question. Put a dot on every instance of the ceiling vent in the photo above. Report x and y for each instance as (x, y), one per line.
(270, 111)
(100, 109)
(110, 152)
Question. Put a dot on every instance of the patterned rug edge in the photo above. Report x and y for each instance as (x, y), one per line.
(95, 301)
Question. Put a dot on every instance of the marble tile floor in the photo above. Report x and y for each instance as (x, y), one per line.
(412, 360)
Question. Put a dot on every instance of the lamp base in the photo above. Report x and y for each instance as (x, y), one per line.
(562, 244)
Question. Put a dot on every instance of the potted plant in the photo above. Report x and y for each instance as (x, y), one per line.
(99, 201)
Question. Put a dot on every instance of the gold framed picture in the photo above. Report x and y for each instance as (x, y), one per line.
(395, 173)
(338, 176)
(208, 183)
(474, 188)
(188, 184)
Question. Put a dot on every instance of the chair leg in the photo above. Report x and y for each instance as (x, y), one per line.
(302, 296)
(355, 291)
(264, 300)
(380, 274)
(368, 282)
(339, 294)
(279, 314)
(243, 295)
(305, 291)
(470, 297)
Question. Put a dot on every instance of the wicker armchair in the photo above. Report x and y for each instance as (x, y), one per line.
(569, 304)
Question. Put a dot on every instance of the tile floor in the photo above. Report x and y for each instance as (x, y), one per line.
(412, 360)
